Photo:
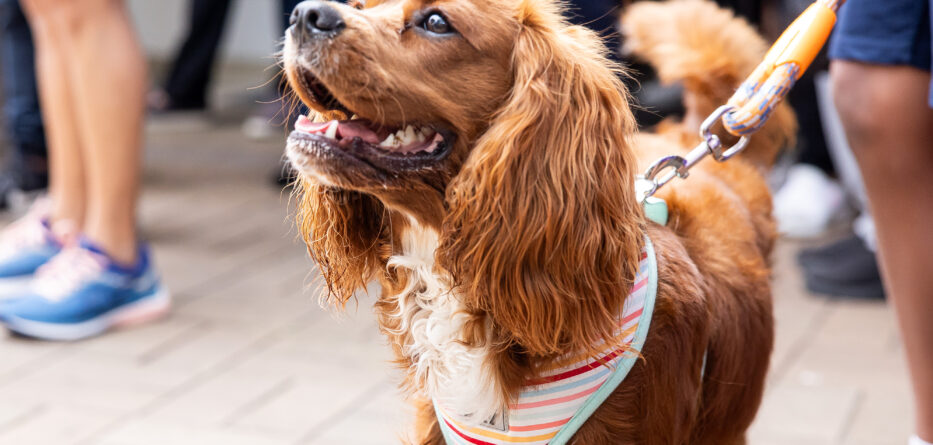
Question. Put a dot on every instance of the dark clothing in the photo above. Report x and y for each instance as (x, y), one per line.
(890, 32)
(191, 72)
(23, 118)
(811, 140)
(749, 9)
(601, 16)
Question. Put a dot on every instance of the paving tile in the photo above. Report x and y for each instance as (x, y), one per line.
(219, 400)
(182, 217)
(316, 395)
(352, 341)
(883, 416)
(265, 297)
(55, 425)
(795, 323)
(139, 342)
(211, 347)
(849, 366)
(20, 354)
(151, 432)
(887, 441)
(805, 414)
(797, 315)
(773, 438)
(385, 419)
(86, 380)
(862, 325)
(13, 413)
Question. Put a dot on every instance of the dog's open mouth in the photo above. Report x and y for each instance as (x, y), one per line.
(385, 147)
(404, 142)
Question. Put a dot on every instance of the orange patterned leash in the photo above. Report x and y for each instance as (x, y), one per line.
(752, 104)
(787, 60)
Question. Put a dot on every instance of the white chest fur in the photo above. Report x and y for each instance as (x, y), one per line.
(432, 318)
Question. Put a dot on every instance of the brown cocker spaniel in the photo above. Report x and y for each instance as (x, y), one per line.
(477, 159)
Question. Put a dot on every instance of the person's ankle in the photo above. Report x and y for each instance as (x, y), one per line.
(122, 252)
(70, 216)
(65, 232)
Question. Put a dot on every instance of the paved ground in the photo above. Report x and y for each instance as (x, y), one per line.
(248, 357)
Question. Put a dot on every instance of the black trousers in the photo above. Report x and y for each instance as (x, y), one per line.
(191, 71)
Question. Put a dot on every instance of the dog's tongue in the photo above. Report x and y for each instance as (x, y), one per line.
(359, 128)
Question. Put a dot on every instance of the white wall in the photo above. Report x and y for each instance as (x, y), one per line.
(251, 36)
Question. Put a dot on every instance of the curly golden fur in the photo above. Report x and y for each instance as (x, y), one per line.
(525, 234)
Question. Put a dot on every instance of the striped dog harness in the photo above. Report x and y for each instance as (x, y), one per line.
(552, 407)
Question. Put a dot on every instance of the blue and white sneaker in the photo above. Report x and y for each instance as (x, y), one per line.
(82, 292)
(25, 245)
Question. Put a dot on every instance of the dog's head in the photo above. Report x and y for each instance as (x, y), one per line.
(414, 82)
(494, 123)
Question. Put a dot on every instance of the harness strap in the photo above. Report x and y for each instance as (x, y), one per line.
(573, 390)
(600, 396)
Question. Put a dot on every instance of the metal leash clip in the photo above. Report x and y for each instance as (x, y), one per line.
(751, 105)
(679, 166)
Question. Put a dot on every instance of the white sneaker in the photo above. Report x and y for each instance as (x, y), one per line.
(807, 202)
(25, 245)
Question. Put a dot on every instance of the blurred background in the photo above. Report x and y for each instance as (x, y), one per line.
(248, 357)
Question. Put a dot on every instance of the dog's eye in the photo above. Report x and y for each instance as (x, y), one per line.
(437, 24)
(358, 4)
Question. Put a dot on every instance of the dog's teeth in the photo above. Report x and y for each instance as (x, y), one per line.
(389, 141)
(424, 133)
(410, 136)
(354, 117)
(331, 131)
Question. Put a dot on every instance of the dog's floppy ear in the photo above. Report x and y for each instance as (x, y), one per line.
(544, 232)
(344, 231)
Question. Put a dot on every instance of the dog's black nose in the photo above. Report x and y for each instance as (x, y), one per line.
(316, 18)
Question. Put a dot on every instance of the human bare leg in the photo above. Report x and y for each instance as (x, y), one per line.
(67, 186)
(109, 87)
(107, 279)
(889, 126)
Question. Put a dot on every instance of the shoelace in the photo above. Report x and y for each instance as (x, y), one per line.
(68, 270)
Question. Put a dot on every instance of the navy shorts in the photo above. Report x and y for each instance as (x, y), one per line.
(885, 32)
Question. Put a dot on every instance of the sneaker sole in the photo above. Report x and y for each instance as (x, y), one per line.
(146, 309)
